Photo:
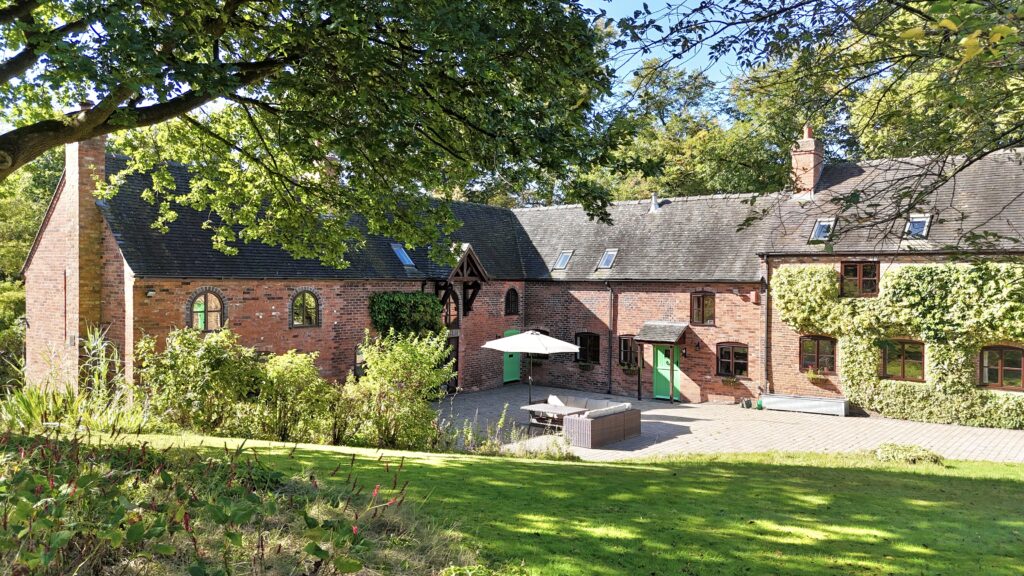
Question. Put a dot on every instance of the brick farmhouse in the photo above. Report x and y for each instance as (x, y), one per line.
(671, 301)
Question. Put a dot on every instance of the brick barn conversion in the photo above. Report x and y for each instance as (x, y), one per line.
(672, 287)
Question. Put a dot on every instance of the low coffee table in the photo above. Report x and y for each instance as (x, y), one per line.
(550, 415)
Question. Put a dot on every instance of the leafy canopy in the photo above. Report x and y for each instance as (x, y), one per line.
(297, 115)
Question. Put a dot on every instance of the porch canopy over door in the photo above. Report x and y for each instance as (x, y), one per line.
(659, 332)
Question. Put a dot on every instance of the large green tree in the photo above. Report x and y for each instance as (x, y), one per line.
(938, 78)
(297, 115)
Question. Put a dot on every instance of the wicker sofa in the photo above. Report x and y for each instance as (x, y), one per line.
(605, 421)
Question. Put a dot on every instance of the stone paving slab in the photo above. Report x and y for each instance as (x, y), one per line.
(669, 429)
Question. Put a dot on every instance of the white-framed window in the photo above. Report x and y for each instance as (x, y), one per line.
(607, 259)
(822, 230)
(563, 260)
(403, 256)
(918, 226)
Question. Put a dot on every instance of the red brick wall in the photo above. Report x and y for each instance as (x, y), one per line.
(63, 275)
(115, 300)
(784, 370)
(565, 308)
(257, 310)
(480, 368)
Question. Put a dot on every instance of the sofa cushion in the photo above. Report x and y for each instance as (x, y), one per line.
(575, 402)
(594, 404)
(607, 411)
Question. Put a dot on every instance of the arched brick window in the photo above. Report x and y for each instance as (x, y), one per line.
(512, 302)
(206, 310)
(305, 310)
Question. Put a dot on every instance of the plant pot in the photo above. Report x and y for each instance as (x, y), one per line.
(630, 370)
(731, 382)
(586, 367)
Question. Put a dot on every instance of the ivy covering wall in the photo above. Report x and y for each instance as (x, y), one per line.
(954, 308)
(406, 312)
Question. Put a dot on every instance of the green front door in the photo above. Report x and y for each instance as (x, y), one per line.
(665, 358)
(512, 363)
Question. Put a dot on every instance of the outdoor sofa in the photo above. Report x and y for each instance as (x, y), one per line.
(604, 422)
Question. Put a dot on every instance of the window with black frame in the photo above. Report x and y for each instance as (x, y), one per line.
(590, 348)
(206, 311)
(732, 360)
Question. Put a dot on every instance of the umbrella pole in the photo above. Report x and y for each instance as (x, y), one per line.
(529, 379)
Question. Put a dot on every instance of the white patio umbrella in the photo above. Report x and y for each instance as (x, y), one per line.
(531, 342)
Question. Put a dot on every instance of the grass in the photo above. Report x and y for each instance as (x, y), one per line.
(803, 514)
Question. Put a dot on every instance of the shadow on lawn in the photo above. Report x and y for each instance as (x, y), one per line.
(717, 517)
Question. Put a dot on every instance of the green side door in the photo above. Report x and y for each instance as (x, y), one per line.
(665, 358)
(512, 364)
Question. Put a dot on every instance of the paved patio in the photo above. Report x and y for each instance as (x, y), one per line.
(705, 428)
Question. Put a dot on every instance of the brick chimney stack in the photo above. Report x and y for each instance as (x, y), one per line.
(84, 169)
(64, 271)
(808, 162)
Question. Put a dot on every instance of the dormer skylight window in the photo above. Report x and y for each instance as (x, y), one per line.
(403, 256)
(563, 260)
(822, 231)
(607, 259)
(918, 226)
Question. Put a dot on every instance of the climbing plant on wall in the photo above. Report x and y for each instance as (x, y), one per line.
(406, 312)
(954, 308)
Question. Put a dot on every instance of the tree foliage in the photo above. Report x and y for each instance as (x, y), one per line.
(23, 200)
(297, 115)
(938, 79)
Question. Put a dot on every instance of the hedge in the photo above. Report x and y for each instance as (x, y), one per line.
(405, 312)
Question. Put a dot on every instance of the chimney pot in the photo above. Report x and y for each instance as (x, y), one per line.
(808, 161)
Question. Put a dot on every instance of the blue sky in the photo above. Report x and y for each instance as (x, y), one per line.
(616, 9)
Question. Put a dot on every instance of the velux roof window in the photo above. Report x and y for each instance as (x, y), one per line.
(403, 256)
(917, 226)
(822, 231)
(607, 259)
(563, 260)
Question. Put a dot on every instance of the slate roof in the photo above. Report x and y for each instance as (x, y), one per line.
(186, 250)
(661, 332)
(985, 196)
(694, 238)
(687, 239)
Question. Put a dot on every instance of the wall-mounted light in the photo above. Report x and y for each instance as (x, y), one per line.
(150, 293)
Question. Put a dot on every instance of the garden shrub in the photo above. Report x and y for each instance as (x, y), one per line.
(294, 402)
(12, 334)
(102, 400)
(906, 454)
(392, 401)
(954, 308)
(199, 379)
(405, 312)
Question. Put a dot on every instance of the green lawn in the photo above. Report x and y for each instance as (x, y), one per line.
(742, 514)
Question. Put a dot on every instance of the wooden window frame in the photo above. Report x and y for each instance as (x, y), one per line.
(732, 360)
(981, 368)
(596, 348)
(205, 293)
(316, 310)
(860, 278)
(512, 297)
(817, 353)
(631, 357)
(903, 362)
(456, 322)
(698, 297)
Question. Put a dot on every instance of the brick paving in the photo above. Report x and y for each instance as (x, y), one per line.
(669, 429)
